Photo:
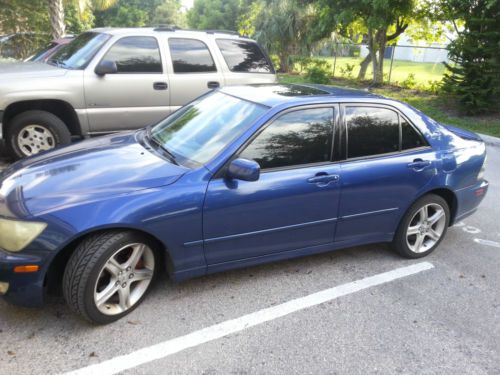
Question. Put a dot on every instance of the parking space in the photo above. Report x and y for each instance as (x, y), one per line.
(441, 319)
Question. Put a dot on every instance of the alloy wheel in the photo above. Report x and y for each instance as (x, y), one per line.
(426, 228)
(35, 138)
(124, 279)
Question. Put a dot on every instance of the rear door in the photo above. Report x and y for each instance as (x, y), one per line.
(388, 163)
(193, 70)
(135, 96)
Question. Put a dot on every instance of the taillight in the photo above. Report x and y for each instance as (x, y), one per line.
(480, 176)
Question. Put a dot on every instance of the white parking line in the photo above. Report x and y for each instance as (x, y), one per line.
(487, 242)
(169, 347)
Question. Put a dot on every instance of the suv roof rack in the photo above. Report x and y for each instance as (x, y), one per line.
(177, 28)
(166, 28)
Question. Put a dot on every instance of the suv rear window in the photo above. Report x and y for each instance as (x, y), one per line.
(244, 56)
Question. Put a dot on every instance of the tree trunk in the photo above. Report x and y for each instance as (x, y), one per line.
(284, 68)
(379, 47)
(56, 14)
(364, 65)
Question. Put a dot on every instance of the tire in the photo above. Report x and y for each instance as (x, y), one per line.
(427, 229)
(34, 131)
(96, 278)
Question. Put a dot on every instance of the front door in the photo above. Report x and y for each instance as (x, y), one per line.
(294, 203)
(136, 96)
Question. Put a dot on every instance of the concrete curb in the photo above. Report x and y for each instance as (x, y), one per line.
(490, 141)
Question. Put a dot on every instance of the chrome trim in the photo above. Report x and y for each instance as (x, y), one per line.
(370, 213)
(247, 234)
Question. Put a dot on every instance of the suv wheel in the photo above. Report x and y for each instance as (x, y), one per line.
(34, 131)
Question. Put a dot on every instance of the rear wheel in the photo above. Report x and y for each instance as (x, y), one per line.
(109, 275)
(423, 227)
(35, 131)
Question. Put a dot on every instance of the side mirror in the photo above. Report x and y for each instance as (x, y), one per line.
(106, 67)
(243, 169)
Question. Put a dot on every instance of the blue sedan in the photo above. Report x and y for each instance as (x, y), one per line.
(241, 176)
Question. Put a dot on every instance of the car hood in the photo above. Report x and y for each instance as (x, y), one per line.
(84, 172)
(29, 69)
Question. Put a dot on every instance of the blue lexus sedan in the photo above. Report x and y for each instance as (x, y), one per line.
(241, 176)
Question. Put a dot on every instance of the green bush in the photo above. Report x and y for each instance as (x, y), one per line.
(347, 70)
(410, 82)
(318, 71)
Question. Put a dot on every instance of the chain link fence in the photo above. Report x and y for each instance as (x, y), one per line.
(404, 65)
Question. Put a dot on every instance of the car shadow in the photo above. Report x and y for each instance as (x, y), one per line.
(3, 153)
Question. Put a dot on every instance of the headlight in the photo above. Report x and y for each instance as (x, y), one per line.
(16, 235)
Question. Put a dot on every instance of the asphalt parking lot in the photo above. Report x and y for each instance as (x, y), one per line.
(441, 316)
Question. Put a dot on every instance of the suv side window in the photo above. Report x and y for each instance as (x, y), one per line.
(371, 131)
(190, 56)
(296, 138)
(244, 56)
(136, 54)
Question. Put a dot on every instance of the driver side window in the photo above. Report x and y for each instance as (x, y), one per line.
(295, 138)
(136, 54)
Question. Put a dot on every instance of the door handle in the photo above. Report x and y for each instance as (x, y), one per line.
(419, 164)
(213, 84)
(160, 85)
(321, 178)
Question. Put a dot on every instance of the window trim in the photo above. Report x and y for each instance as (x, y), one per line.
(221, 173)
(135, 36)
(198, 40)
(264, 53)
(344, 133)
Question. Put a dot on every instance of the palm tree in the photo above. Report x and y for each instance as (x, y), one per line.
(56, 12)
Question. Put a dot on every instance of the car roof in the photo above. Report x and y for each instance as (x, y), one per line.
(278, 93)
(120, 31)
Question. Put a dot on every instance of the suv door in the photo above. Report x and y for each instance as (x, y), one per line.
(388, 163)
(136, 95)
(294, 203)
(246, 62)
(193, 70)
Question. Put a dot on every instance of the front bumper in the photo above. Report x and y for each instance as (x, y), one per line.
(25, 289)
(469, 198)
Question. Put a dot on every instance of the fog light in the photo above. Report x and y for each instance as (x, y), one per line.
(4, 287)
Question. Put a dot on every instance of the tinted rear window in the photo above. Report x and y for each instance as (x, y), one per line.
(190, 56)
(371, 131)
(244, 56)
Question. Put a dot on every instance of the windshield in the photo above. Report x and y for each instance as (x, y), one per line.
(40, 54)
(78, 53)
(201, 129)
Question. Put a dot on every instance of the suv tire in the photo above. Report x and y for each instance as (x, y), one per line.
(34, 131)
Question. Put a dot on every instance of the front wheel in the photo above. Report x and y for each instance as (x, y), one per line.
(423, 227)
(35, 131)
(109, 275)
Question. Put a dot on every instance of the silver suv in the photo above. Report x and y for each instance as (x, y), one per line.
(115, 79)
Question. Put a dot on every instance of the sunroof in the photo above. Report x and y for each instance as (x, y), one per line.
(291, 90)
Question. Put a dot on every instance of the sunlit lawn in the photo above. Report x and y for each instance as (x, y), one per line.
(423, 71)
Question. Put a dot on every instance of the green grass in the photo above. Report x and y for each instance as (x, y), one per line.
(439, 107)
(423, 72)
